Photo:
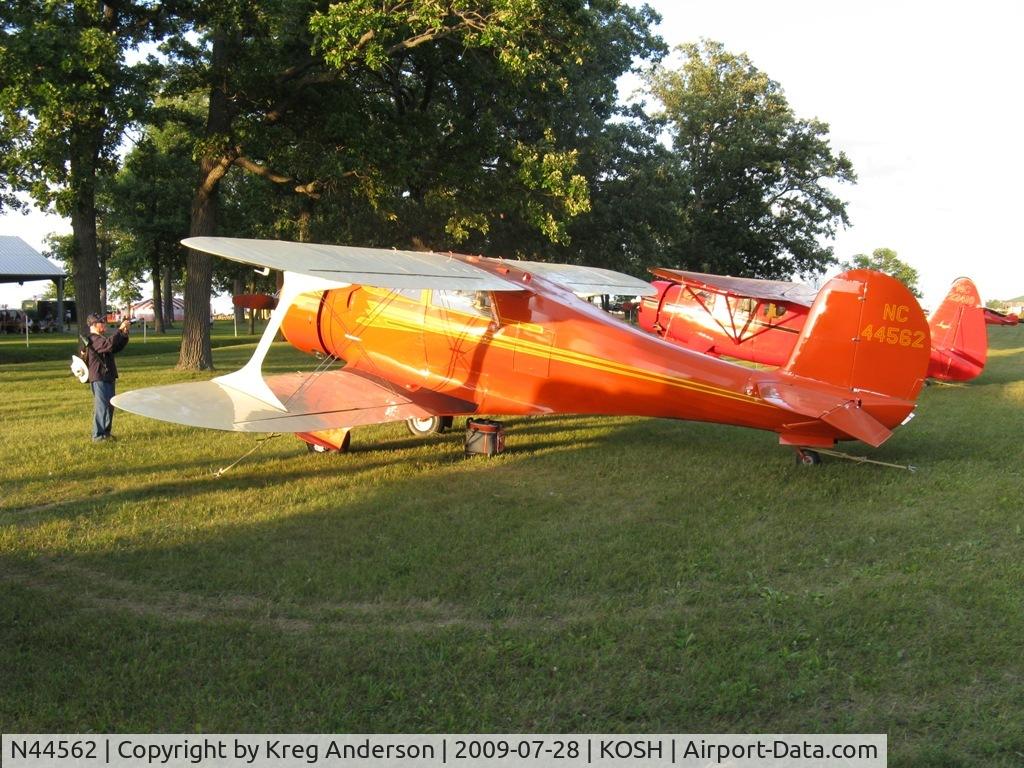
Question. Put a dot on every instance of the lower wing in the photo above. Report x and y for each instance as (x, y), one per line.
(312, 402)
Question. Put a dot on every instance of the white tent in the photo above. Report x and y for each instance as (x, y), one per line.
(144, 310)
(20, 263)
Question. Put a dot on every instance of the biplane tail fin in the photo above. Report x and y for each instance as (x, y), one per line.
(858, 364)
(865, 332)
(959, 336)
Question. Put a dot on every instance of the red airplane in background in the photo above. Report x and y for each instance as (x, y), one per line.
(422, 335)
(762, 320)
(995, 317)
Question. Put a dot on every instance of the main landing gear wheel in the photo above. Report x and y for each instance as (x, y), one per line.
(343, 448)
(431, 425)
(807, 457)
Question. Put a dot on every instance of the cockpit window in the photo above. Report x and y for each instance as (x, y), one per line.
(696, 296)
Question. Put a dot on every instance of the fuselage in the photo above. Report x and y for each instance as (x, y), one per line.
(538, 350)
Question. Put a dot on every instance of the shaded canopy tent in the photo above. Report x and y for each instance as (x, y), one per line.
(20, 262)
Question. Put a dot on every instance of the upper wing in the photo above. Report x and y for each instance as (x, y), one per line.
(312, 402)
(408, 269)
(361, 266)
(767, 290)
(589, 281)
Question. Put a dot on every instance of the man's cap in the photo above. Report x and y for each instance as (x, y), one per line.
(93, 318)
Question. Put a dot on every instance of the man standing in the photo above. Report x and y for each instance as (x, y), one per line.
(103, 371)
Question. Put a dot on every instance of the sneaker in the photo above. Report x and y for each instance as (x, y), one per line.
(100, 439)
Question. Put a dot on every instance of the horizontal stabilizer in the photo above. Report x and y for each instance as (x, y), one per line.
(312, 402)
(852, 419)
(829, 404)
(254, 301)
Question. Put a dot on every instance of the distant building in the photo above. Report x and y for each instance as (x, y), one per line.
(144, 310)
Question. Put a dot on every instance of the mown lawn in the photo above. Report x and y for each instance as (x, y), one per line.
(604, 574)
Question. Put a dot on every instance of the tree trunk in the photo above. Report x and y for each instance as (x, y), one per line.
(168, 284)
(305, 218)
(86, 271)
(158, 308)
(103, 250)
(237, 289)
(83, 157)
(196, 352)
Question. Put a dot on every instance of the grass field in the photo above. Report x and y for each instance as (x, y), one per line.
(604, 574)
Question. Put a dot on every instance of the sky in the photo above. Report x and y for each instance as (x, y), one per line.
(924, 98)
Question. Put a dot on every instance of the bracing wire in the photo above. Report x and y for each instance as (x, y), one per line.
(865, 460)
(323, 367)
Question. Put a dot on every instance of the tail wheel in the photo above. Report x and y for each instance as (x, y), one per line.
(807, 458)
(320, 448)
(431, 425)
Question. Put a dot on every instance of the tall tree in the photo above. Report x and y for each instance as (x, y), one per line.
(66, 95)
(363, 102)
(148, 200)
(759, 201)
(636, 192)
(885, 260)
(466, 157)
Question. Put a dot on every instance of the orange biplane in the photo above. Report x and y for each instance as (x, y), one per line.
(761, 320)
(426, 335)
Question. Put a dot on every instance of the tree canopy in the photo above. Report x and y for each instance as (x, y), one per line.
(409, 122)
(487, 126)
(67, 93)
(885, 260)
(757, 199)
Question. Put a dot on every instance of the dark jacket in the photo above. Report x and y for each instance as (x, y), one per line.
(100, 358)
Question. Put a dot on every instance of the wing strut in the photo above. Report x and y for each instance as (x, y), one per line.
(249, 378)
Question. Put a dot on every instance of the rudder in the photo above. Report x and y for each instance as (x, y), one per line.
(959, 336)
(865, 333)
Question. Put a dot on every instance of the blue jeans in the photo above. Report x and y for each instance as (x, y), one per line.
(103, 412)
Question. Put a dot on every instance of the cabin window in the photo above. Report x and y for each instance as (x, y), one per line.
(468, 302)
